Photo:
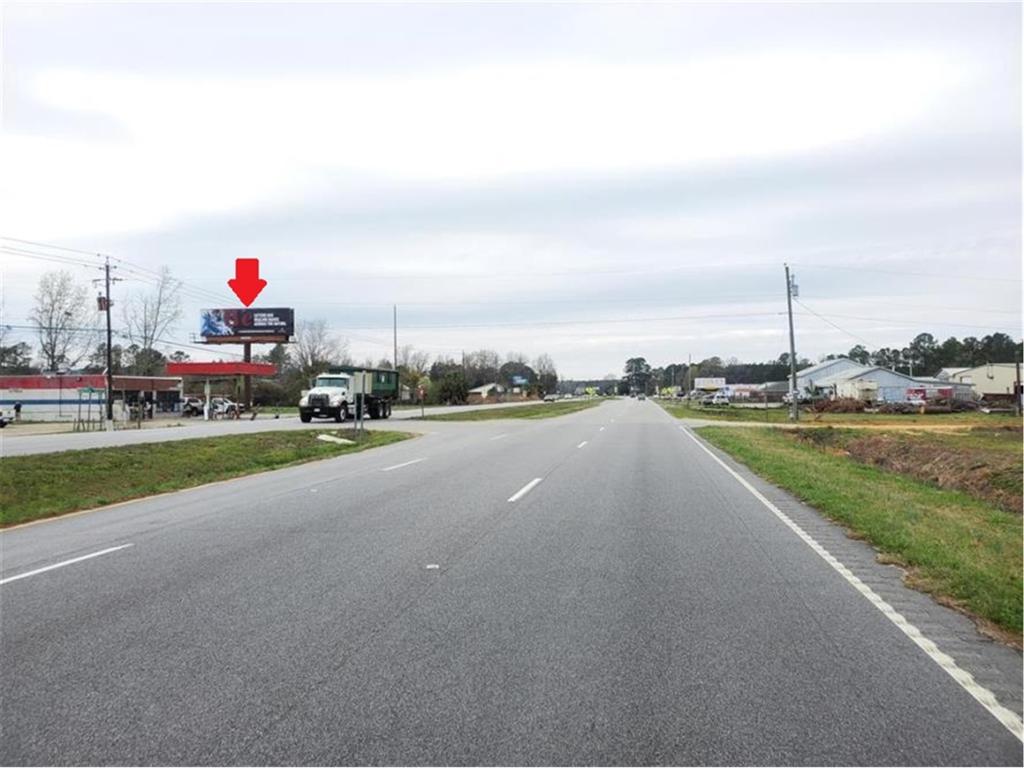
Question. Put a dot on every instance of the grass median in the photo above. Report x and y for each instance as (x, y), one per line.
(963, 549)
(538, 411)
(46, 485)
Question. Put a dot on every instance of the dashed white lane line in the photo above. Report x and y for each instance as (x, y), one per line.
(403, 464)
(601, 429)
(525, 489)
(582, 444)
(61, 564)
(498, 437)
(966, 680)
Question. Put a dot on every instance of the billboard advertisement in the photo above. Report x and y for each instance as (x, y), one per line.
(710, 382)
(227, 324)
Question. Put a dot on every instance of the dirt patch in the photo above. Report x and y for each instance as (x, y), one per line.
(966, 464)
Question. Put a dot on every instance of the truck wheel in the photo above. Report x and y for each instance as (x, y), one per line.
(374, 410)
(342, 413)
(387, 410)
(305, 418)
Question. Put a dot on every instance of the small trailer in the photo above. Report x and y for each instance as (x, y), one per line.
(337, 393)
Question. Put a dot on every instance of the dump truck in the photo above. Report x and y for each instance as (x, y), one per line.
(337, 393)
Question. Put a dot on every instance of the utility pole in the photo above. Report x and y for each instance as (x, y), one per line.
(105, 305)
(395, 308)
(794, 406)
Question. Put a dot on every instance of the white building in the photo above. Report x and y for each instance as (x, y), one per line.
(991, 380)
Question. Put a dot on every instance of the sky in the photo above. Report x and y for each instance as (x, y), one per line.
(590, 181)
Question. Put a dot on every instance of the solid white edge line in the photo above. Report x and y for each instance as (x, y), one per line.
(582, 444)
(525, 489)
(601, 429)
(966, 680)
(403, 464)
(498, 437)
(73, 560)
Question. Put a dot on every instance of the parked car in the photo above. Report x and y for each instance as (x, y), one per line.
(225, 408)
(192, 406)
(802, 397)
(641, 396)
(550, 398)
(719, 398)
(3, 420)
(707, 399)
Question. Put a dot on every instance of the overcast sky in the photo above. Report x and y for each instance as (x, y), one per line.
(533, 178)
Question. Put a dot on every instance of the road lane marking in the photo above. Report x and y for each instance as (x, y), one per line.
(582, 444)
(498, 437)
(525, 489)
(61, 564)
(965, 679)
(403, 464)
(601, 429)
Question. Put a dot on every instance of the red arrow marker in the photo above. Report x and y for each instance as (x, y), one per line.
(247, 282)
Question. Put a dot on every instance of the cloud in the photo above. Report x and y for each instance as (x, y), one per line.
(207, 145)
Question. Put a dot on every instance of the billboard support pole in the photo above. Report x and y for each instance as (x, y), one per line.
(247, 378)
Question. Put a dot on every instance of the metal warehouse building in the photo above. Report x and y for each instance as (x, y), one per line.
(845, 378)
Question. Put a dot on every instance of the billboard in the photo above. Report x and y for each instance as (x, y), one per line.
(252, 322)
(710, 382)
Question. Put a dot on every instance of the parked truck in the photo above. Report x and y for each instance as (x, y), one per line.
(334, 394)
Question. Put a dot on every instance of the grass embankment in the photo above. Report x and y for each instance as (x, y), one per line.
(538, 411)
(781, 416)
(33, 487)
(963, 549)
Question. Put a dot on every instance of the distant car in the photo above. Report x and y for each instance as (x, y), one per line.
(641, 396)
(719, 398)
(550, 398)
(707, 399)
(801, 397)
(3, 420)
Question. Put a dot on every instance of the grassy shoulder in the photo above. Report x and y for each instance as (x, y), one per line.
(781, 416)
(34, 487)
(538, 411)
(962, 549)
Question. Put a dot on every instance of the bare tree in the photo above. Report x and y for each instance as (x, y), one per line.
(413, 365)
(317, 348)
(62, 320)
(547, 374)
(148, 317)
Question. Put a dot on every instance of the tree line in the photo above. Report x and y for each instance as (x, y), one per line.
(923, 356)
(70, 335)
(440, 379)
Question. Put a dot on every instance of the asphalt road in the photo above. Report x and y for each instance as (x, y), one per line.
(592, 589)
(13, 444)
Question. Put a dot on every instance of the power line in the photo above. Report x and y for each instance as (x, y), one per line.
(838, 328)
(51, 245)
(47, 257)
(144, 274)
(585, 321)
(924, 322)
(943, 276)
